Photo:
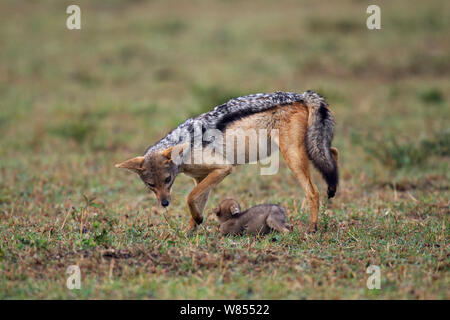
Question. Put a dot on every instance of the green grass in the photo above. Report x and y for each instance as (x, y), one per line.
(394, 154)
(74, 103)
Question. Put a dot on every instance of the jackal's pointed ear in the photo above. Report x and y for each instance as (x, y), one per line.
(133, 164)
(174, 152)
(168, 153)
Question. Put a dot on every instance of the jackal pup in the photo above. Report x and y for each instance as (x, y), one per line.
(259, 219)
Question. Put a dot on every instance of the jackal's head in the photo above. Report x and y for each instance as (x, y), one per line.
(157, 171)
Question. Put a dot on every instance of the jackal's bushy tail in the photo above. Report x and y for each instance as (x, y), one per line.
(318, 140)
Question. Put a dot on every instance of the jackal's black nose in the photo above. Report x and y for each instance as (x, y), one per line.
(164, 203)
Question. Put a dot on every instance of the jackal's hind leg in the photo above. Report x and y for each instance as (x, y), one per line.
(293, 149)
(303, 176)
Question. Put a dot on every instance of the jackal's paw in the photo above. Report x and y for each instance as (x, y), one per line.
(312, 228)
(189, 232)
(198, 220)
(192, 228)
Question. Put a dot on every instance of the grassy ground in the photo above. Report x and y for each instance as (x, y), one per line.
(73, 103)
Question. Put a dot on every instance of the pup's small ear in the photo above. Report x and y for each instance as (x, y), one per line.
(216, 210)
(133, 164)
(235, 209)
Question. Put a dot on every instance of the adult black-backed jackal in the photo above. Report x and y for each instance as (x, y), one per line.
(304, 125)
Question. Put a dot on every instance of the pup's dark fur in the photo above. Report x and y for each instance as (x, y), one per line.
(256, 220)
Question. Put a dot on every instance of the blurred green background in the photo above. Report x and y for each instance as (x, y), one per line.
(74, 102)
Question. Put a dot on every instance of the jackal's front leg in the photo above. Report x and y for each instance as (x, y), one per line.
(199, 195)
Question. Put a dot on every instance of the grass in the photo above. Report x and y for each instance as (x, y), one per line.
(73, 103)
(394, 154)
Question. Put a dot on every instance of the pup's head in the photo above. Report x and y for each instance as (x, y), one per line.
(157, 171)
(227, 209)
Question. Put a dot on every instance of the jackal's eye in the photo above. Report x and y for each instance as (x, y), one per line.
(168, 179)
(151, 185)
